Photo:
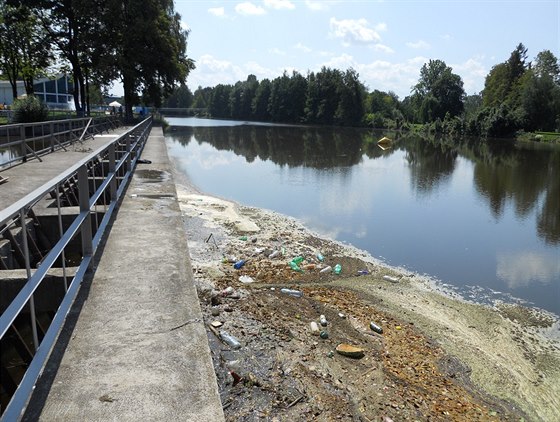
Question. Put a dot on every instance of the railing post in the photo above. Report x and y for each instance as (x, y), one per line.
(22, 140)
(112, 167)
(51, 130)
(22, 218)
(86, 232)
(128, 155)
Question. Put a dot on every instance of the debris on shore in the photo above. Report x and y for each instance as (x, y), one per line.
(362, 342)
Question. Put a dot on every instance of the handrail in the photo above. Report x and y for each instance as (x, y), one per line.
(30, 140)
(121, 155)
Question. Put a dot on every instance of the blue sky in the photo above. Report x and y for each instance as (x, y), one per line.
(386, 42)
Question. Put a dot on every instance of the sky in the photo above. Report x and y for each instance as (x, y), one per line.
(386, 41)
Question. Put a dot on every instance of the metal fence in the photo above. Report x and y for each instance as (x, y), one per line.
(21, 142)
(93, 187)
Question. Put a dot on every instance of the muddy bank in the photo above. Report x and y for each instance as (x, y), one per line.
(438, 358)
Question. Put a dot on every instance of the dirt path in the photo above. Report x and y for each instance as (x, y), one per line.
(438, 358)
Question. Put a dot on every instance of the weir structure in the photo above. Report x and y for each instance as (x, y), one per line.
(48, 239)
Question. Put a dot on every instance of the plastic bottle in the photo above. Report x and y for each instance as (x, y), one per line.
(274, 254)
(391, 279)
(230, 340)
(376, 327)
(323, 320)
(337, 269)
(296, 293)
(239, 264)
(320, 257)
(294, 266)
(243, 238)
(298, 259)
(326, 269)
(363, 272)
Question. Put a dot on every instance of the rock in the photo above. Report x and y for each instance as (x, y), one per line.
(350, 351)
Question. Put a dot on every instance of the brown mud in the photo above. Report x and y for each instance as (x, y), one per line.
(438, 358)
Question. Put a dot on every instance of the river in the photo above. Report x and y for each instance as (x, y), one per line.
(479, 218)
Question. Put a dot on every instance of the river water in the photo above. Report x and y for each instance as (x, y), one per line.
(481, 219)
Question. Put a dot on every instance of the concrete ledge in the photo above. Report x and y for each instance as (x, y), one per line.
(139, 349)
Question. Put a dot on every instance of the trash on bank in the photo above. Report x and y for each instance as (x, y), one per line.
(337, 269)
(239, 264)
(228, 291)
(391, 279)
(341, 315)
(216, 324)
(294, 266)
(320, 257)
(274, 254)
(326, 269)
(296, 293)
(230, 340)
(350, 351)
(375, 327)
(363, 272)
(323, 320)
(324, 335)
(314, 328)
(246, 279)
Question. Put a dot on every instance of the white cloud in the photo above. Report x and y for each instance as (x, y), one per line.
(383, 48)
(353, 31)
(277, 51)
(248, 9)
(473, 73)
(217, 11)
(521, 269)
(317, 6)
(279, 4)
(211, 71)
(418, 45)
(300, 46)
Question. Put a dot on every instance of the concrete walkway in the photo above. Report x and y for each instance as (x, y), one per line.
(135, 346)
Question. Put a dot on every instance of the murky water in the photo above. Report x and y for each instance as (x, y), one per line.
(483, 218)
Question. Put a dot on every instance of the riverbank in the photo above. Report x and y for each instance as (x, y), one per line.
(439, 358)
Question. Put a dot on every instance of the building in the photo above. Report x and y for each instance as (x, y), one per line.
(54, 92)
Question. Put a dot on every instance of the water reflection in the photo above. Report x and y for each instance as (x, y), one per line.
(528, 177)
(467, 213)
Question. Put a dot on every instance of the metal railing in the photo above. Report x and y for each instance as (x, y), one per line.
(21, 142)
(97, 182)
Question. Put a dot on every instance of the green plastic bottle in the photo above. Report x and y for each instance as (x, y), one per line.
(337, 269)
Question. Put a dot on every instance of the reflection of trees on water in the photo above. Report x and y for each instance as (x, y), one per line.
(528, 176)
(431, 163)
(290, 146)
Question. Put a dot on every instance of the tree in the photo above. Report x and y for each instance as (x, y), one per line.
(350, 110)
(181, 97)
(438, 91)
(202, 97)
(259, 106)
(22, 46)
(219, 101)
(504, 83)
(162, 62)
(546, 64)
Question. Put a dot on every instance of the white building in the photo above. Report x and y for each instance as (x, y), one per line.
(55, 92)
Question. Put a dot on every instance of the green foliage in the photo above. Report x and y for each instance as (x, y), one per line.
(181, 97)
(29, 110)
(439, 91)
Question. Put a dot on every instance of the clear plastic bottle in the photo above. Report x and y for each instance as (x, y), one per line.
(326, 269)
(230, 340)
(296, 293)
(337, 269)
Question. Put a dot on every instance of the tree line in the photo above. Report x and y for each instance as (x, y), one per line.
(138, 42)
(517, 95)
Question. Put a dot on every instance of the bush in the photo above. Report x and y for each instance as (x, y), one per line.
(29, 109)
